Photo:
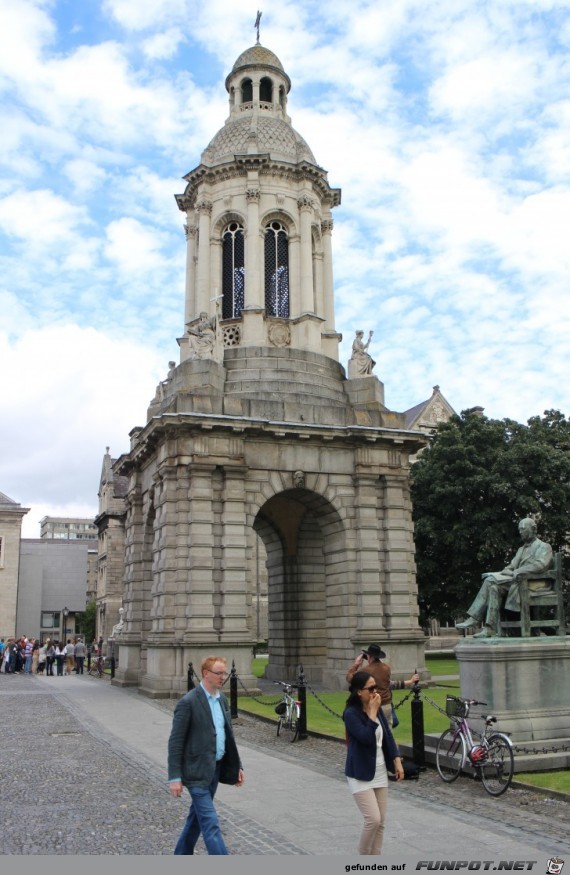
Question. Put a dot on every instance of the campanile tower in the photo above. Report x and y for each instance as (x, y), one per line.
(257, 448)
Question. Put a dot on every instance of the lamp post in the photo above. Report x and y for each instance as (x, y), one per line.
(64, 614)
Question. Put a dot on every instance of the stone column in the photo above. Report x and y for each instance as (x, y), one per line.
(294, 275)
(190, 308)
(400, 581)
(369, 577)
(328, 286)
(234, 608)
(319, 305)
(305, 205)
(254, 298)
(204, 210)
(196, 620)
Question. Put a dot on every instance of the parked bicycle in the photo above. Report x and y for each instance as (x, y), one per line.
(490, 753)
(288, 711)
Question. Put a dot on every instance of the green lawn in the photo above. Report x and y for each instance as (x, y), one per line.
(320, 720)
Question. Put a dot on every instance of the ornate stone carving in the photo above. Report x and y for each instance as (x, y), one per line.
(204, 207)
(299, 479)
(305, 202)
(231, 335)
(202, 337)
(327, 226)
(360, 364)
(252, 195)
(279, 334)
(190, 231)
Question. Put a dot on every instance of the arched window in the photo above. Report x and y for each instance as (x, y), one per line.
(276, 270)
(266, 90)
(233, 273)
(246, 91)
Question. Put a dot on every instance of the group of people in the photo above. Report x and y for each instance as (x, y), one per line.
(202, 751)
(29, 656)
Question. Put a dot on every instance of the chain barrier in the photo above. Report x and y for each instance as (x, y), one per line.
(320, 701)
(255, 699)
(517, 749)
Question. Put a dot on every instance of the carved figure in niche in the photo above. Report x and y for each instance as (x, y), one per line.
(202, 337)
(533, 557)
(361, 363)
(118, 627)
(299, 479)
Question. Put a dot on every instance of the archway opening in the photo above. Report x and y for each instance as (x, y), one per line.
(302, 534)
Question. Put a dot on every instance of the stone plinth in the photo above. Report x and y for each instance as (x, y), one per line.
(525, 682)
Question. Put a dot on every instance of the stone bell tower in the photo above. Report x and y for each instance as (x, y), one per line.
(256, 443)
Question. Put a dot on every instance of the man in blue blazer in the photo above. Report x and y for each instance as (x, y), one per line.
(201, 753)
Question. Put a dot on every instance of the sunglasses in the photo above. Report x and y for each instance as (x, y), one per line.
(371, 689)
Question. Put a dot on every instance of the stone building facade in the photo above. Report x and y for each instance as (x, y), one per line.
(11, 515)
(257, 437)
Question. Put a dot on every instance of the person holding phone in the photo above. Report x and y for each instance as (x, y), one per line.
(371, 754)
(382, 675)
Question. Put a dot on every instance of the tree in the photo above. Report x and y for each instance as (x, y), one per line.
(471, 487)
(87, 621)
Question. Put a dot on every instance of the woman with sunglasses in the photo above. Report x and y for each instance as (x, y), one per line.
(372, 753)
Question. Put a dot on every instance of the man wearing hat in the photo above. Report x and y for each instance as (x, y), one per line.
(380, 671)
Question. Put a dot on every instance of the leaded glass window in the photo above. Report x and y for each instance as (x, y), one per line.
(233, 273)
(276, 270)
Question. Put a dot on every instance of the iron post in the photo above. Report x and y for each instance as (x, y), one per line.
(233, 692)
(302, 697)
(418, 738)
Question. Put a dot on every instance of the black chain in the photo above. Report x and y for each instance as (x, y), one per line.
(255, 699)
(405, 699)
(320, 701)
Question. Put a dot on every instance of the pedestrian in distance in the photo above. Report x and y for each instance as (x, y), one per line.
(202, 753)
(50, 658)
(69, 650)
(371, 754)
(59, 657)
(79, 653)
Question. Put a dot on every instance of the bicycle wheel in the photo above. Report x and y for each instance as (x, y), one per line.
(279, 725)
(450, 755)
(499, 765)
(294, 726)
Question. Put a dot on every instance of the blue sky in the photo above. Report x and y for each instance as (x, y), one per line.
(446, 124)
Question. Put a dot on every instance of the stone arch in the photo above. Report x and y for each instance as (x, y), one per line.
(279, 215)
(308, 599)
(224, 219)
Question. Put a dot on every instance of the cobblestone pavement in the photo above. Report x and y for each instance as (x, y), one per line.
(71, 789)
(66, 790)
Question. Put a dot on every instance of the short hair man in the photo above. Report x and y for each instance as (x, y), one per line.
(533, 557)
(201, 753)
(381, 672)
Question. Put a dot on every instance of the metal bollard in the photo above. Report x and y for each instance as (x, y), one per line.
(418, 739)
(112, 667)
(233, 692)
(189, 682)
(302, 697)
(88, 660)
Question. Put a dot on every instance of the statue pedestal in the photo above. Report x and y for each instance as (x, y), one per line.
(525, 682)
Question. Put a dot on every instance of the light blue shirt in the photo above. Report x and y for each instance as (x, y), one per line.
(219, 722)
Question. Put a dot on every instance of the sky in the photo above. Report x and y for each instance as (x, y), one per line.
(446, 123)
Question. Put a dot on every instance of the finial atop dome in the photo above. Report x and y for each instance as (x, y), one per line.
(257, 23)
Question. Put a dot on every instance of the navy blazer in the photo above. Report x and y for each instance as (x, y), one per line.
(192, 743)
(362, 746)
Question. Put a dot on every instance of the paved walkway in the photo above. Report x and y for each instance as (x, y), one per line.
(79, 738)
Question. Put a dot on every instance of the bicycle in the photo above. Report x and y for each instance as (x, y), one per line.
(97, 666)
(491, 756)
(288, 711)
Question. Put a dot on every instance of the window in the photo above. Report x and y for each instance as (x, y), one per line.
(266, 90)
(246, 91)
(276, 270)
(233, 272)
(50, 620)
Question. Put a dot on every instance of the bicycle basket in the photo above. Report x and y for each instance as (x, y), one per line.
(455, 707)
(281, 708)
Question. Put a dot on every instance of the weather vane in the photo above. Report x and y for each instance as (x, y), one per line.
(257, 23)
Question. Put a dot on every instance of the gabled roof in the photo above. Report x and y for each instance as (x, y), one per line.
(5, 500)
(428, 413)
